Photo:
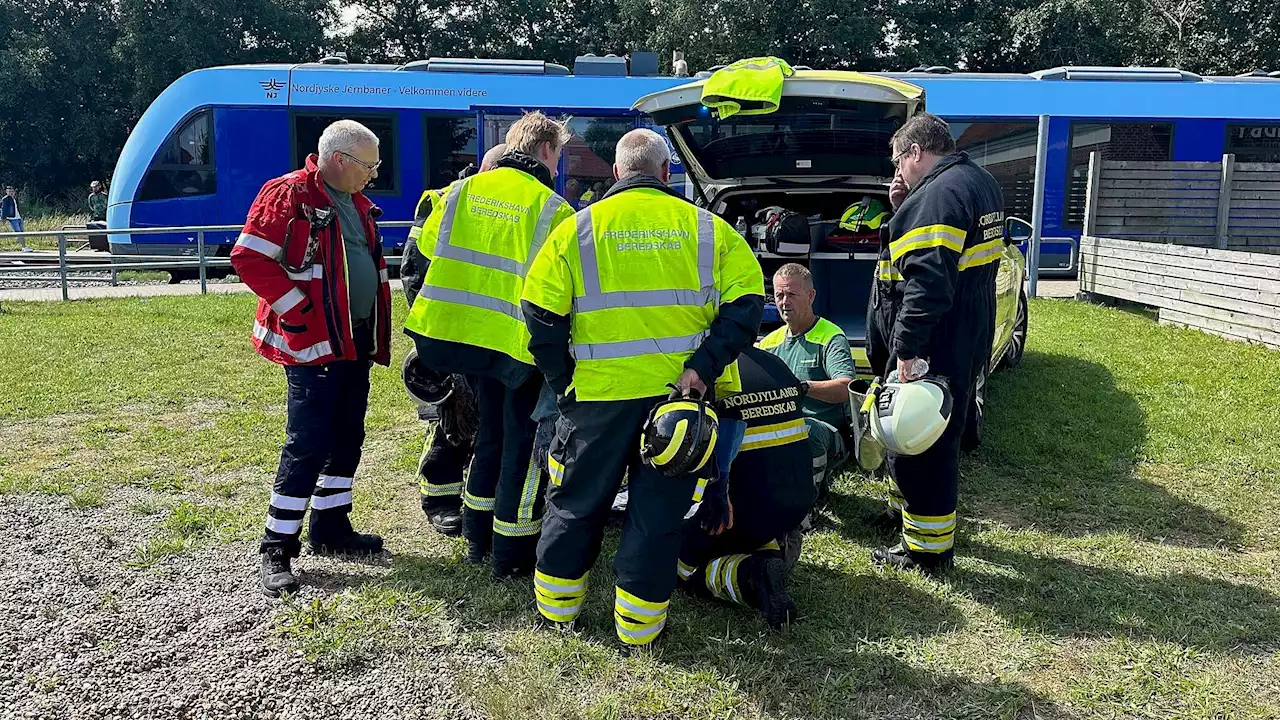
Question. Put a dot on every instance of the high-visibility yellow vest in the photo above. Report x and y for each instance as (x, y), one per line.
(641, 275)
(750, 87)
(481, 240)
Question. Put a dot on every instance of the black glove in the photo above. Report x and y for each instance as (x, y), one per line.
(716, 514)
(459, 417)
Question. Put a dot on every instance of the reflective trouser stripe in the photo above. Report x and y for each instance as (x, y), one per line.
(638, 621)
(928, 533)
(429, 490)
(284, 527)
(517, 529)
(700, 489)
(284, 502)
(333, 482)
(559, 599)
(529, 494)
(896, 500)
(555, 469)
(722, 578)
(482, 504)
(684, 570)
(328, 502)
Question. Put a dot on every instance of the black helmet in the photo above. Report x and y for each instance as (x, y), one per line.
(679, 435)
(785, 232)
(425, 386)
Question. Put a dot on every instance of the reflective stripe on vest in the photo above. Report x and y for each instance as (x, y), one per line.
(486, 260)
(594, 298)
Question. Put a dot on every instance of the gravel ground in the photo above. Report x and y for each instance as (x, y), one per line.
(84, 636)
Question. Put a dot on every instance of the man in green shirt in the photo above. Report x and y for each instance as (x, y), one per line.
(817, 352)
(363, 280)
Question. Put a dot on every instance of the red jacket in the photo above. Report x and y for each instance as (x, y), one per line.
(304, 318)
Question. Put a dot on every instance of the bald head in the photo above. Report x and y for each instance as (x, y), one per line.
(642, 152)
(491, 158)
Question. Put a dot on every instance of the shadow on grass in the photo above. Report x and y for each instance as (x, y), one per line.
(1066, 598)
(1059, 454)
(841, 659)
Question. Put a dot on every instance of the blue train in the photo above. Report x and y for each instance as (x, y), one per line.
(206, 145)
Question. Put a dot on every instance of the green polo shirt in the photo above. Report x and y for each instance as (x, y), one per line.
(822, 353)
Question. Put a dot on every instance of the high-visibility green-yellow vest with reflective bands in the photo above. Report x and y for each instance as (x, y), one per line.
(481, 240)
(426, 206)
(749, 87)
(641, 275)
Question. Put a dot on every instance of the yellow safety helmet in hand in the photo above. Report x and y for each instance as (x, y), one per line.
(908, 418)
(679, 435)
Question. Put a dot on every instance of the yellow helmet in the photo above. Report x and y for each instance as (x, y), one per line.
(679, 435)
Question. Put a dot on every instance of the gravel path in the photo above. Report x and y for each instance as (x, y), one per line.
(84, 636)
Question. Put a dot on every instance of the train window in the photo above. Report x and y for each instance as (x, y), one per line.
(1116, 141)
(1008, 151)
(306, 140)
(496, 127)
(450, 143)
(1254, 142)
(588, 158)
(184, 164)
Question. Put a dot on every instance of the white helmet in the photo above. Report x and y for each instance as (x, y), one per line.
(908, 418)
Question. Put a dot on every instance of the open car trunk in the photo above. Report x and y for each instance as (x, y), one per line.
(842, 263)
(824, 149)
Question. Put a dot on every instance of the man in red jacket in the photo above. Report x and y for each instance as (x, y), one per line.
(311, 252)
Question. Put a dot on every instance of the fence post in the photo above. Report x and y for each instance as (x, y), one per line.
(1093, 189)
(1224, 200)
(204, 287)
(1037, 206)
(62, 265)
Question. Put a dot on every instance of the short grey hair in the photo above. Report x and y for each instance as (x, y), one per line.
(641, 151)
(796, 270)
(491, 158)
(930, 132)
(344, 136)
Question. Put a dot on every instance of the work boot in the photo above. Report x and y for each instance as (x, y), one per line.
(518, 570)
(476, 554)
(277, 573)
(769, 580)
(900, 558)
(352, 543)
(447, 522)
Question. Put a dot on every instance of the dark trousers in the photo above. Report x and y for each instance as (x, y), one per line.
(595, 443)
(504, 495)
(717, 565)
(440, 471)
(325, 434)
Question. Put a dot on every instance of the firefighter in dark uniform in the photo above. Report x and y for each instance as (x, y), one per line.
(770, 489)
(934, 300)
(640, 291)
(444, 458)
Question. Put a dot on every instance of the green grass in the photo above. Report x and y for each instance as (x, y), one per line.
(1116, 550)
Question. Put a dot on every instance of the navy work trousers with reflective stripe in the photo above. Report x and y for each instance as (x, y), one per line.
(326, 407)
(596, 442)
(501, 485)
(440, 471)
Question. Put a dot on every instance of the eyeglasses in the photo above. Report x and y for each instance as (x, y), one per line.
(897, 159)
(361, 163)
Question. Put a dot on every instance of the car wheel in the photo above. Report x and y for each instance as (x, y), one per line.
(976, 414)
(1018, 340)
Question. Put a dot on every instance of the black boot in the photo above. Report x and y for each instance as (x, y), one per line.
(277, 573)
(334, 536)
(768, 585)
(476, 554)
(900, 558)
(447, 521)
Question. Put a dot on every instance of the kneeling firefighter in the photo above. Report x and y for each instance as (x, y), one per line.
(643, 290)
(765, 494)
(932, 310)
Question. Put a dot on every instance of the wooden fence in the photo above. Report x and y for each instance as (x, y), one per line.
(1225, 205)
(1225, 292)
